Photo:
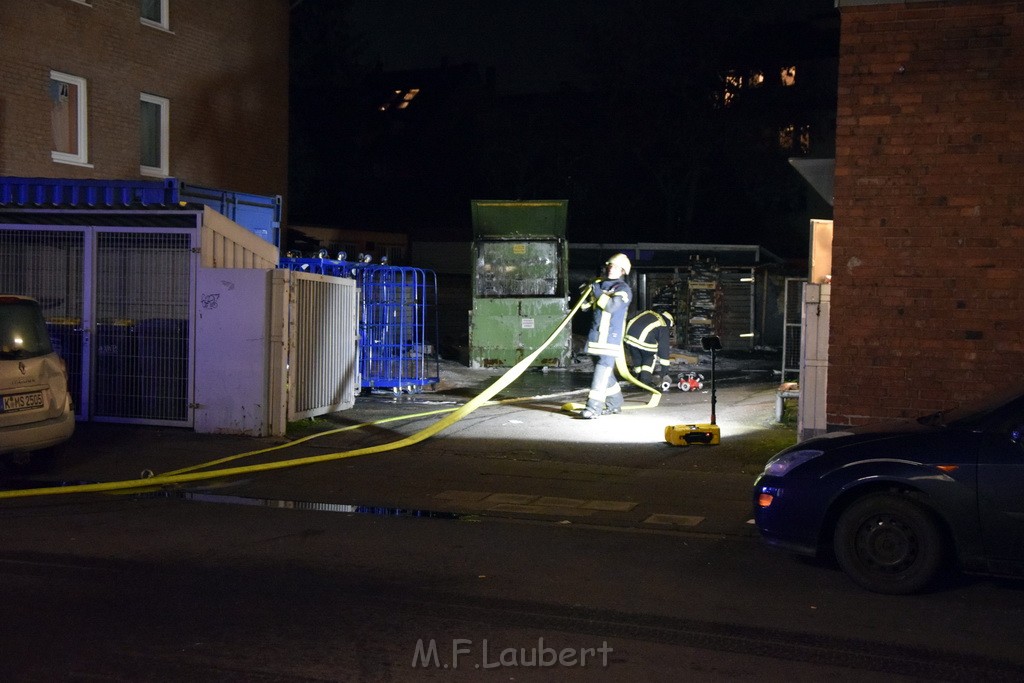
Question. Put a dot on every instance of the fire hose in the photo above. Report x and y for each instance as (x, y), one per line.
(150, 482)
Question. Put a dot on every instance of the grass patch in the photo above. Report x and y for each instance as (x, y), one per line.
(753, 449)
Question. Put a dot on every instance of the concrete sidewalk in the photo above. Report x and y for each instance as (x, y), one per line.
(524, 458)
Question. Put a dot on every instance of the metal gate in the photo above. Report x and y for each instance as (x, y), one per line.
(117, 305)
(393, 328)
(792, 327)
(322, 367)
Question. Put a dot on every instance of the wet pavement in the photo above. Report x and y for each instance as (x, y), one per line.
(521, 457)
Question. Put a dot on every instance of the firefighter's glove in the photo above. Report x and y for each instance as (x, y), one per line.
(590, 290)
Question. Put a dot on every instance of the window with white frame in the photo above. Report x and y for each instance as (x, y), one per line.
(155, 13)
(154, 136)
(68, 117)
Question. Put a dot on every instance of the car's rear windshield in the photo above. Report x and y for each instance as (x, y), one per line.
(22, 330)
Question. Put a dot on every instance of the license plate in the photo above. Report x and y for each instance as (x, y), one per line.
(22, 402)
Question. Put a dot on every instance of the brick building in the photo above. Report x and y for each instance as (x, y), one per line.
(120, 89)
(928, 250)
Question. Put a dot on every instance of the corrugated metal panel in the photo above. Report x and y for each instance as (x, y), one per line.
(259, 214)
(90, 192)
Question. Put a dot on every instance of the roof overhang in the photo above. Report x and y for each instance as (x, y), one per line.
(820, 173)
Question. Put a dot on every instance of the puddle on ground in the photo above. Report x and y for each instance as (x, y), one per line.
(281, 504)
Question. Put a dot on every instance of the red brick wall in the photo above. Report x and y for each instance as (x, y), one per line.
(223, 65)
(928, 251)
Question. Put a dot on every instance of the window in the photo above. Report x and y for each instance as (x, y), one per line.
(154, 124)
(154, 13)
(68, 109)
(399, 99)
(795, 139)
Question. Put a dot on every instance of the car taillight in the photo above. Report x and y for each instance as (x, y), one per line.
(765, 499)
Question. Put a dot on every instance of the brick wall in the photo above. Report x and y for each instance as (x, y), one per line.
(928, 251)
(223, 65)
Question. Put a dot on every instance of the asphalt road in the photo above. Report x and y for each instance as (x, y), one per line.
(473, 554)
(164, 589)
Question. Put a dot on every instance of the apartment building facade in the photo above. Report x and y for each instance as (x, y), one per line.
(146, 89)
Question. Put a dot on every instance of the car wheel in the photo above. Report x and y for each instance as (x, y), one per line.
(888, 544)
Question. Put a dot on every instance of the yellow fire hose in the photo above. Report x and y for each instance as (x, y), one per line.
(620, 365)
(456, 414)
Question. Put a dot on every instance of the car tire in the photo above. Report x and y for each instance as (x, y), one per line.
(889, 544)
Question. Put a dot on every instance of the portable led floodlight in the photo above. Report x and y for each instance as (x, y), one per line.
(700, 434)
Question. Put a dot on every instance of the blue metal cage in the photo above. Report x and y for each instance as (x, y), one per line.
(394, 351)
(398, 310)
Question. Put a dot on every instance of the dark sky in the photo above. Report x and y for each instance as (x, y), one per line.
(532, 44)
(629, 143)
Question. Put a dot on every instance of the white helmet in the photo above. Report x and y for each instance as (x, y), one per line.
(620, 260)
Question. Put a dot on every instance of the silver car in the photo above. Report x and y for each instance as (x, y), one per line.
(36, 413)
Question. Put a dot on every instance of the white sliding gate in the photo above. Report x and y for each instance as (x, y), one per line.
(324, 336)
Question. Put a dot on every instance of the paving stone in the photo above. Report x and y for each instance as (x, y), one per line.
(674, 520)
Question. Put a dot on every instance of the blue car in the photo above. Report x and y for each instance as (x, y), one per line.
(899, 506)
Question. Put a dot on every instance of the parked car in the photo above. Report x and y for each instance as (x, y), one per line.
(898, 506)
(36, 413)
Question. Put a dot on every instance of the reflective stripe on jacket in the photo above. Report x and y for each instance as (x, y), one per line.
(609, 324)
(649, 331)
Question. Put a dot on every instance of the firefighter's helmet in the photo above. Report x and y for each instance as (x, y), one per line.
(620, 260)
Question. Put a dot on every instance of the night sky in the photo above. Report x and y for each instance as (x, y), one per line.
(606, 103)
(534, 45)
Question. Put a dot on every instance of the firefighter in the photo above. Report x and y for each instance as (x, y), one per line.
(609, 297)
(647, 343)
